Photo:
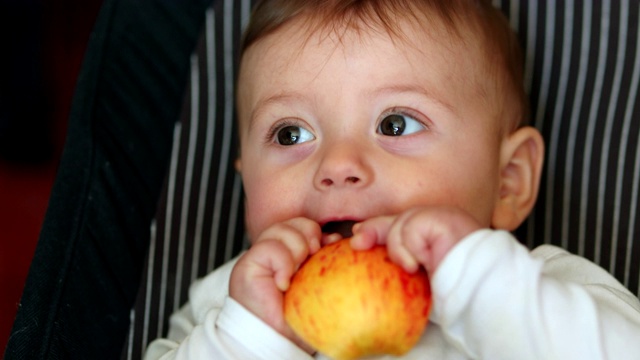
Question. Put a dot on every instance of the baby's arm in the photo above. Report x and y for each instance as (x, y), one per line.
(247, 325)
(497, 300)
(494, 299)
(213, 326)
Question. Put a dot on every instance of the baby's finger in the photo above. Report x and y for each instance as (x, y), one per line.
(310, 231)
(396, 246)
(330, 238)
(268, 261)
(300, 235)
(371, 232)
(425, 235)
(293, 241)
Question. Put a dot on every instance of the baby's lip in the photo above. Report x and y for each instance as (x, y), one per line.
(342, 227)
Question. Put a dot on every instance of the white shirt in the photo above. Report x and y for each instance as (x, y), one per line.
(492, 299)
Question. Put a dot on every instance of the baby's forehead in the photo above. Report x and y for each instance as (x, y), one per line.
(409, 39)
(404, 28)
(467, 37)
(361, 15)
(294, 61)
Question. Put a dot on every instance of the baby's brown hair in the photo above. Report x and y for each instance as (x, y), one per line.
(503, 56)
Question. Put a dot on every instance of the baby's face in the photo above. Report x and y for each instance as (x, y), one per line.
(347, 129)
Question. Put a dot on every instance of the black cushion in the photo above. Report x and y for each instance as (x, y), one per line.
(86, 269)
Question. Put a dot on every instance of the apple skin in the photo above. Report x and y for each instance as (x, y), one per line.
(349, 304)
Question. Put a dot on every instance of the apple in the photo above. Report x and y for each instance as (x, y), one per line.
(349, 304)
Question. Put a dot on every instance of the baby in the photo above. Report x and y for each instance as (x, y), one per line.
(406, 118)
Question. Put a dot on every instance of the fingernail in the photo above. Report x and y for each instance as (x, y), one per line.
(331, 238)
(283, 285)
(410, 264)
(314, 245)
(356, 240)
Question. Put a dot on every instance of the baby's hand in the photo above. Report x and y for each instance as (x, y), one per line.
(420, 236)
(263, 273)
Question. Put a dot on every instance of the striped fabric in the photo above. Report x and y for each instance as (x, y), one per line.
(199, 223)
(582, 71)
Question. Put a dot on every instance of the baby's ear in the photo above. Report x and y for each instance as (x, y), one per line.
(521, 158)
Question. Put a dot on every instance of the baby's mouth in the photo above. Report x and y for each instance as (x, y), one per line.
(344, 228)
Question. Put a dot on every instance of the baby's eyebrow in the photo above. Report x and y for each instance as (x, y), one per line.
(282, 98)
(412, 89)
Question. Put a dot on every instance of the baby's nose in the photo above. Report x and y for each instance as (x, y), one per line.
(348, 180)
(343, 166)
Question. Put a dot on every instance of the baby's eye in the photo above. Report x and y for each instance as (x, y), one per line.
(399, 124)
(292, 135)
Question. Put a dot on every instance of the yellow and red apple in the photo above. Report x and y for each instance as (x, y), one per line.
(349, 304)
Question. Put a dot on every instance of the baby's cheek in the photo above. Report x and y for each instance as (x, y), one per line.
(264, 212)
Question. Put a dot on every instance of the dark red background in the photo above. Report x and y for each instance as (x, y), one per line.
(58, 35)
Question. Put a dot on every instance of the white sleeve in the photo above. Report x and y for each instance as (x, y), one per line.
(495, 300)
(214, 326)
